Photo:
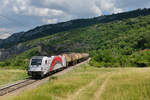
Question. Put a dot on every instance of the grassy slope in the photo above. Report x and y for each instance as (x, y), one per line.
(125, 33)
(90, 83)
(10, 76)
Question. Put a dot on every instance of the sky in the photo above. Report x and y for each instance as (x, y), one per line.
(23, 15)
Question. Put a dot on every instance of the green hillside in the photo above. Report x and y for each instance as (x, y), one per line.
(117, 43)
(50, 29)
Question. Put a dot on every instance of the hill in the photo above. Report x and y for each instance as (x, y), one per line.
(112, 42)
(50, 29)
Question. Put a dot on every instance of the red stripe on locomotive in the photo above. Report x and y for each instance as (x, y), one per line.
(55, 60)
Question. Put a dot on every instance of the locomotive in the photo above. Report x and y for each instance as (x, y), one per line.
(40, 66)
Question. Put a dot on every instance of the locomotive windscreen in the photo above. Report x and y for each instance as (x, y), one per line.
(36, 62)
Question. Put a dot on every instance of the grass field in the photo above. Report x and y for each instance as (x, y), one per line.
(10, 76)
(90, 83)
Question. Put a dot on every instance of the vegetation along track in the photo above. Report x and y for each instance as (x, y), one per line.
(15, 86)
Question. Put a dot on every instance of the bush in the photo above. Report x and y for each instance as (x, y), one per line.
(140, 59)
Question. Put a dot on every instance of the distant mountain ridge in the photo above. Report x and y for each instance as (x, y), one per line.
(50, 29)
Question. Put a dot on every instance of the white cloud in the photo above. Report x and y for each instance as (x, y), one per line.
(49, 21)
(19, 15)
(34, 11)
(25, 8)
(108, 6)
(5, 30)
(117, 10)
(4, 36)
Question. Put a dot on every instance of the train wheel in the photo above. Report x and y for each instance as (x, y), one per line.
(67, 64)
(42, 75)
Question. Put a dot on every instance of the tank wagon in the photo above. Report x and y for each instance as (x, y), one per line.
(40, 66)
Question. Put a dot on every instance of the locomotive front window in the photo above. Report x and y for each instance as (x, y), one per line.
(36, 62)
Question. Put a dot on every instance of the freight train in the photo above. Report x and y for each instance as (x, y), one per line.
(42, 65)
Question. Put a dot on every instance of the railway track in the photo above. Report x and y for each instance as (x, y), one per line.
(15, 86)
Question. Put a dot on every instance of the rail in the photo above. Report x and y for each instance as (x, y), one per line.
(15, 86)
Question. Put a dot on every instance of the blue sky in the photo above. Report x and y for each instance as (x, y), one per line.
(22, 15)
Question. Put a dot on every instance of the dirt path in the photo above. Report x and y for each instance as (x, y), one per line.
(101, 88)
(77, 93)
(36, 84)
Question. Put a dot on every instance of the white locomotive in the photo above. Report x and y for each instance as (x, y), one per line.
(42, 65)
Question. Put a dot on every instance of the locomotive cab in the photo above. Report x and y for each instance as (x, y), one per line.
(38, 66)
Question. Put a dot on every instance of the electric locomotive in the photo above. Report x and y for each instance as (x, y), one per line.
(42, 65)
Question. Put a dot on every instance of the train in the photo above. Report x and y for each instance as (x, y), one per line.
(41, 66)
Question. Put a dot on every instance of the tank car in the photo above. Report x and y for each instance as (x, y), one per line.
(85, 56)
(74, 58)
(68, 59)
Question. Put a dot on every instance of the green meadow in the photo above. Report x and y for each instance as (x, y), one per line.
(8, 76)
(91, 83)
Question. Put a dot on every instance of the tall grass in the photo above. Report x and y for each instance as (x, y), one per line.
(130, 84)
(9, 76)
(85, 83)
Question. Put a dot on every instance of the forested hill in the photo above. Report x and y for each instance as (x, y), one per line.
(118, 43)
(50, 29)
